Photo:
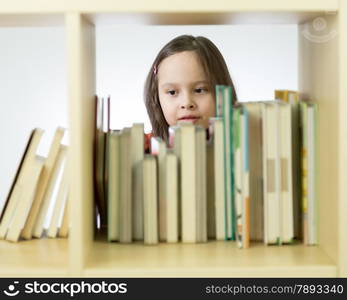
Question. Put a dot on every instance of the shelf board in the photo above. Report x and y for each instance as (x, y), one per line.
(212, 259)
(163, 6)
(34, 258)
(32, 20)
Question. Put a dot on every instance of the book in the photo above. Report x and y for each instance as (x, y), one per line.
(313, 203)
(217, 134)
(175, 146)
(43, 183)
(59, 203)
(201, 204)
(28, 158)
(255, 166)
(171, 196)
(114, 185)
(150, 199)
(25, 198)
(241, 175)
(272, 173)
(40, 220)
(309, 201)
(99, 160)
(224, 110)
(158, 148)
(193, 177)
(64, 225)
(137, 154)
(125, 204)
(210, 177)
(292, 97)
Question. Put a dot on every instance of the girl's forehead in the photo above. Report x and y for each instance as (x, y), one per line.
(183, 66)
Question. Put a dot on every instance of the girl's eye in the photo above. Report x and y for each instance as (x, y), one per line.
(200, 90)
(172, 92)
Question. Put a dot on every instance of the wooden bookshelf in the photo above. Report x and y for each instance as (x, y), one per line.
(322, 71)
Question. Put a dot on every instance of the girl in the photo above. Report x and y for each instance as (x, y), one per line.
(180, 86)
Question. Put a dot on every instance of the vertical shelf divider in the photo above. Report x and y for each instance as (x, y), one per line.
(342, 137)
(82, 89)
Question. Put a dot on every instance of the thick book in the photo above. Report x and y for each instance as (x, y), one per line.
(193, 184)
(26, 194)
(27, 160)
(114, 178)
(150, 199)
(255, 166)
(43, 183)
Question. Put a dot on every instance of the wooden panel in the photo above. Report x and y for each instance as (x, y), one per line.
(318, 81)
(342, 201)
(81, 60)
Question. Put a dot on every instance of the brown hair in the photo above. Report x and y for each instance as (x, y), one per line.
(213, 64)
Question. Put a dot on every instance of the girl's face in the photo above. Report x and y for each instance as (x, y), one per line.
(184, 91)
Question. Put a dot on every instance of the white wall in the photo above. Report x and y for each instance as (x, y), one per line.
(33, 85)
(33, 93)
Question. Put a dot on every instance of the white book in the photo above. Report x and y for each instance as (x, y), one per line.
(26, 196)
(39, 224)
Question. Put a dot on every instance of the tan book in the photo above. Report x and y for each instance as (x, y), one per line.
(137, 153)
(59, 204)
(26, 196)
(39, 224)
(24, 167)
(43, 183)
(150, 199)
(158, 148)
(64, 226)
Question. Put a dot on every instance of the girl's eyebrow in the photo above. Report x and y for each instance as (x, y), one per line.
(169, 84)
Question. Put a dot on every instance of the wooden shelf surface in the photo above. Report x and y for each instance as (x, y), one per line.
(34, 258)
(212, 259)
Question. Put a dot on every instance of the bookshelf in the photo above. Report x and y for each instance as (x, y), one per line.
(322, 69)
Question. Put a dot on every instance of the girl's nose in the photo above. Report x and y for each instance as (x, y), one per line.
(188, 103)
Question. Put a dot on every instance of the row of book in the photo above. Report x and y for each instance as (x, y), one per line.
(250, 177)
(39, 191)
